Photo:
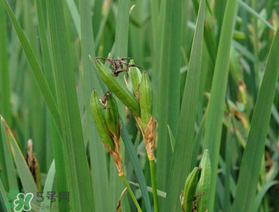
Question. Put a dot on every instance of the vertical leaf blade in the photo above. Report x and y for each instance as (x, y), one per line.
(77, 168)
(181, 161)
(213, 125)
(169, 85)
(252, 158)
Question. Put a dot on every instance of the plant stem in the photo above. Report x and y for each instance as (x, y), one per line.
(154, 185)
(131, 193)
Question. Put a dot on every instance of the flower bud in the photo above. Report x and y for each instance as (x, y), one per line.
(205, 181)
(135, 76)
(100, 121)
(190, 189)
(112, 116)
(146, 95)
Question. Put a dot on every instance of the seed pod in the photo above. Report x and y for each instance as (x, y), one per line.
(135, 76)
(112, 117)
(204, 182)
(100, 122)
(123, 94)
(190, 189)
(146, 95)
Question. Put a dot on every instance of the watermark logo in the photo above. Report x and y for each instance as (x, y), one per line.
(19, 201)
(23, 202)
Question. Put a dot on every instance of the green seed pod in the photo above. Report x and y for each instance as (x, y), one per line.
(190, 189)
(135, 76)
(123, 94)
(146, 95)
(204, 182)
(112, 116)
(100, 121)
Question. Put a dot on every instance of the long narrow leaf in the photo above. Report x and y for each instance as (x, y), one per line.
(169, 84)
(252, 158)
(23, 171)
(35, 66)
(98, 158)
(77, 169)
(136, 164)
(213, 125)
(181, 161)
(8, 175)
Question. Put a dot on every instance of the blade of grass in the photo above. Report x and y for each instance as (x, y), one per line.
(75, 15)
(23, 171)
(8, 173)
(252, 158)
(57, 146)
(213, 125)
(46, 60)
(3, 198)
(5, 106)
(121, 50)
(77, 168)
(122, 29)
(254, 13)
(98, 159)
(262, 193)
(169, 84)
(182, 157)
(136, 164)
(60, 163)
(48, 187)
(35, 67)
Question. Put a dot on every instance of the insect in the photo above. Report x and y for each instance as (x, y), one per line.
(104, 100)
(119, 65)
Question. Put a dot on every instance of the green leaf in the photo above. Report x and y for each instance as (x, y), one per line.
(182, 157)
(168, 101)
(136, 164)
(172, 139)
(254, 13)
(23, 171)
(213, 125)
(5, 105)
(35, 66)
(8, 174)
(48, 187)
(97, 152)
(3, 198)
(252, 158)
(77, 169)
(262, 193)
(75, 15)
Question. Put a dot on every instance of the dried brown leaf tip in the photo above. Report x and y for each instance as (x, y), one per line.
(119, 65)
(116, 154)
(33, 164)
(119, 205)
(149, 137)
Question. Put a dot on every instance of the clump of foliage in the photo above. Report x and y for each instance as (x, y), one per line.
(183, 115)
